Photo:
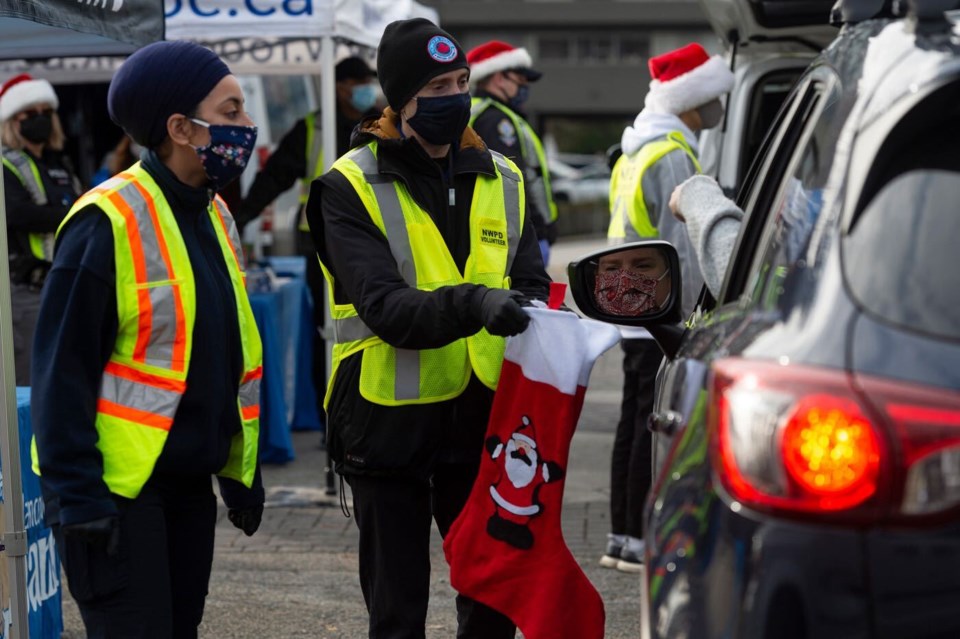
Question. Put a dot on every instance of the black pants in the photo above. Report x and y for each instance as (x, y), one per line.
(315, 282)
(631, 465)
(393, 515)
(155, 587)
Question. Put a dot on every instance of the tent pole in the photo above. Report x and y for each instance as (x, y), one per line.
(14, 535)
(328, 116)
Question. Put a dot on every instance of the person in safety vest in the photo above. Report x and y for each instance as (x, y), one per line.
(39, 186)
(425, 242)
(299, 156)
(501, 74)
(658, 152)
(147, 359)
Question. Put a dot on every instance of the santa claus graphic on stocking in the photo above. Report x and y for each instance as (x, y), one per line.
(506, 549)
(515, 492)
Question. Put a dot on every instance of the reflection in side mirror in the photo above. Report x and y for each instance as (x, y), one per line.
(629, 284)
(632, 282)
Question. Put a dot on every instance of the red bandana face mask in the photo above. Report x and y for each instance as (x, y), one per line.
(626, 293)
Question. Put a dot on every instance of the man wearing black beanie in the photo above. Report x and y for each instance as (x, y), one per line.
(421, 306)
(147, 358)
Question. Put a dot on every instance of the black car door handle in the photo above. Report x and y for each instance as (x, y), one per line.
(666, 422)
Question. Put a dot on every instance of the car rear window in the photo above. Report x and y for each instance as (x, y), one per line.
(792, 13)
(900, 259)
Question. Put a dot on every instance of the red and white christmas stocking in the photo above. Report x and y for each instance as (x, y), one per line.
(506, 548)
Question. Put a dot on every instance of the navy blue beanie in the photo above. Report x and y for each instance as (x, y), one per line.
(159, 80)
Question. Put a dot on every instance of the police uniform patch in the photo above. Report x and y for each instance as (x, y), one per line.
(508, 135)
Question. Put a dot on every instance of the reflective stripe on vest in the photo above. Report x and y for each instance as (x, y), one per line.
(538, 176)
(27, 171)
(145, 378)
(629, 217)
(391, 376)
(314, 158)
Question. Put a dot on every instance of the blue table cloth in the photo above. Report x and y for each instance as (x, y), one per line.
(288, 399)
(44, 595)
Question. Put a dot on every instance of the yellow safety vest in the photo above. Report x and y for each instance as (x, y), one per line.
(531, 149)
(145, 378)
(393, 376)
(629, 218)
(314, 148)
(27, 171)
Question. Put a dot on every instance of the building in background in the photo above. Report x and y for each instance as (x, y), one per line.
(593, 54)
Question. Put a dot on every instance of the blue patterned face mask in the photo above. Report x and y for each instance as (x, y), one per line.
(363, 97)
(225, 158)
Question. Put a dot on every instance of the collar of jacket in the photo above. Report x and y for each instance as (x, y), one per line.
(183, 196)
(399, 155)
(480, 93)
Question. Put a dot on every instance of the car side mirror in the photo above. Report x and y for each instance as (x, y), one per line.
(636, 284)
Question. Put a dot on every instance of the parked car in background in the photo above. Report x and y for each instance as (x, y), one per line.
(768, 46)
(808, 419)
(588, 183)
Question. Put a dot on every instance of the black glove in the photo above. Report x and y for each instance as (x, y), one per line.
(246, 519)
(103, 532)
(500, 311)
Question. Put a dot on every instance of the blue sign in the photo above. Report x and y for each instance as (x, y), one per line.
(44, 593)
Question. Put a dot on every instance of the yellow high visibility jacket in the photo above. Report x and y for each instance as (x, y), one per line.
(392, 376)
(27, 171)
(314, 150)
(629, 218)
(145, 378)
(532, 151)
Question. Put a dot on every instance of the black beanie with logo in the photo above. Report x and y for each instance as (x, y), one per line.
(411, 53)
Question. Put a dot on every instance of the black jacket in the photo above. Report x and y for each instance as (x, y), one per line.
(24, 216)
(286, 165)
(366, 437)
(75, 335)
(498, 133)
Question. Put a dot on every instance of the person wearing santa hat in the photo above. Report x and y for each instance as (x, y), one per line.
(501, 74)
(659, 151)
(40, 186)
(426, 251)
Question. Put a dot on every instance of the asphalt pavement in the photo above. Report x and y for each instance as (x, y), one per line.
(297, 576)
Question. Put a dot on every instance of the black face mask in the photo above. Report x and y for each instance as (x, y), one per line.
(37, 128)
(441, 120)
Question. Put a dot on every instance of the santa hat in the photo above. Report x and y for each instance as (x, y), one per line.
(685, 79)
(525, 433)
(22, 91)
(495, 55)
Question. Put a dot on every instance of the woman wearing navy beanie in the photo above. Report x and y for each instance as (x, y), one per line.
(147, 358)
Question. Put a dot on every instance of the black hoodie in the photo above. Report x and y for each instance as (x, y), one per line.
(366, 437)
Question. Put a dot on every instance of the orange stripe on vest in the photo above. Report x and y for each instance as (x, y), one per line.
(139, 417)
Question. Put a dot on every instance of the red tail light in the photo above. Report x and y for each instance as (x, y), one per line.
(926, 426)
(796, 439)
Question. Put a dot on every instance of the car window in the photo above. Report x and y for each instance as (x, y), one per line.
(755, 196)
(799, 200)
(766, 99)
(900, 258)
